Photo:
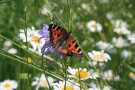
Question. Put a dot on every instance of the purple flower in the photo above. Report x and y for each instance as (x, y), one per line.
(48, 46)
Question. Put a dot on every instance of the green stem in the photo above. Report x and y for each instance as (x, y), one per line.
(45, 73)
(79, 73)
(31, 65)
(66, 66)
(27, 47)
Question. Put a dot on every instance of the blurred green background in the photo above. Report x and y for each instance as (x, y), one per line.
(20, 14)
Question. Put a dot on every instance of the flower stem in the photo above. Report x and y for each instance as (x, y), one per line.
(66, 66)
(45, 73)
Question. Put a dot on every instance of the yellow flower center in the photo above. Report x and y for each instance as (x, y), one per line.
(35, 39)
(120, 25)
(81, 74)
(131, 74)
(110, 77)
(94, 25)
(121, 31)
(44, 82)
(7, 85)
(29, 59)
(68, 88)
(98, 57)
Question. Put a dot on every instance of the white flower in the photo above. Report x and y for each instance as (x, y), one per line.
(131, 38)
(86, 7)
(30, 31)
(94, 63)
(42, 82)
(126, 54)
(120, 23)
(110, 16)
(99, 56)
(116, 78)
(12, 51)
(122, 30)
(7, 44)
(108, 75)
(104, 1)
(104, 45)
(95, 87)
(119, 42)
(104, 88)
(44, 10)
(121, 27)
(32, 38)
(94, 26)
(82, 73)
(8, 85)
(69, 86)
(107, 88)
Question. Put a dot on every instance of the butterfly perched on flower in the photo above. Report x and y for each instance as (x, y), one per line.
(62, 41)
(58, 40)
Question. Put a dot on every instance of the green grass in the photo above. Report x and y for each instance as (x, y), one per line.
(22, 14)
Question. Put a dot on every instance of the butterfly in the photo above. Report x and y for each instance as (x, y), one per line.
(62, 40)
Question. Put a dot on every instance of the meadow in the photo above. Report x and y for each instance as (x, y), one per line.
(67, 45)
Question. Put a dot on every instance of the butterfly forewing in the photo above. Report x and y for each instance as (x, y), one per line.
(56, 32)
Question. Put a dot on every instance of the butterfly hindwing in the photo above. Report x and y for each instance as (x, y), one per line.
(73, 46)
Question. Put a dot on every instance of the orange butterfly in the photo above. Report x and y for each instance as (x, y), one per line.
(62, 40)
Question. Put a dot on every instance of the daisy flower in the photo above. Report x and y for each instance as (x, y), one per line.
(32, 38)
(41, 82)
(119, 42)
(121, 27)
(120, 23)
(104, 88)
(94, 26)
(8, 47)
(95, 63)
(110, 16)
(122, 30)
(99, 56)
(131, 38)
(69, 86)
(44, 10)
(12, 50)
(8, 85)
(104, 46)
(82, 73)
(7, 44)
(86, 7)
(126, 54)
(107, 88)
(95, 87)
(108, 75)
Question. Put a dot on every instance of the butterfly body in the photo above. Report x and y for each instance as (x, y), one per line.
(62, 40)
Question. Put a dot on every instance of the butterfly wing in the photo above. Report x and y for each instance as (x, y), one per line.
(63, 41)
(73, 47)
(56, 32)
